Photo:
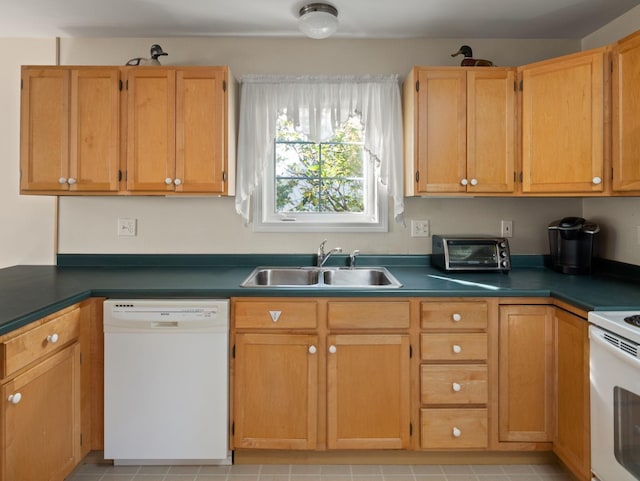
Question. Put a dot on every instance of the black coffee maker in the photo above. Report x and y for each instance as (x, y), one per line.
(572, 242)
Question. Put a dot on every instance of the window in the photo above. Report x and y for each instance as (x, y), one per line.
(319, 154)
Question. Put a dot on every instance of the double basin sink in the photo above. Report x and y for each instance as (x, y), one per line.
(332, 277)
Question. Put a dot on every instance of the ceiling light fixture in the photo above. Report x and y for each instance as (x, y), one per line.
(318, 20)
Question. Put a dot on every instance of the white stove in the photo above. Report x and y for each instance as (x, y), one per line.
(614, 365)
(614, 321)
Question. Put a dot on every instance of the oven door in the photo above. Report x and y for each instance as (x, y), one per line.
(615, 406)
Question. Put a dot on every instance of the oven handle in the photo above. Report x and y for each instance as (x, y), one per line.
(596, 338)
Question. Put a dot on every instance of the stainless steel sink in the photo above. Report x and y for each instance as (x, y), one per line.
(282, 277)
(360, 277)
(317, 277)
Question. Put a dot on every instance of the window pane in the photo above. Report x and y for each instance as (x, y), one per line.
(325, 177)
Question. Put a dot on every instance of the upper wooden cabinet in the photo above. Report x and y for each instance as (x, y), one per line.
(626, 114)
(146, 130)
(459, 130)
(70, 123)
(177, 130)
(563, 124)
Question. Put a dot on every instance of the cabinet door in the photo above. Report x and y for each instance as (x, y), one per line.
(44, 130)
(441, 131)
(201, 106)
(41, 432)
(525, 373)
(626, 114)
(276, 391)
(368, 392)
(571, 440)
(95, 129)
(563, 124)
(151, 129)
(491, 123)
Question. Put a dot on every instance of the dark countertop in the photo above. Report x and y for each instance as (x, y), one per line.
(28, 293)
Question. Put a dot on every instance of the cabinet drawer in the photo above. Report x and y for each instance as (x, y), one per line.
(454, 428)
(276, 314)
(453, 315)
(453, 384)
(368, 315)
(40, 341)
(453, 347)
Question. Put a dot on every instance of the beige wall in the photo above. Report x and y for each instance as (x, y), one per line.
(206, 225)
(26, 222)
(619, 217)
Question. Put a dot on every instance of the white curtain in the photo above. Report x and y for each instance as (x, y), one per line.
(307, 99)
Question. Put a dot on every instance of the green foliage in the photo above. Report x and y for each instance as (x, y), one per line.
(320, 177)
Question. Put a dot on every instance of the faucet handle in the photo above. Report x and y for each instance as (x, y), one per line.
(352, 258)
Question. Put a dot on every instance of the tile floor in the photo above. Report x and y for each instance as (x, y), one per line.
(315, 472)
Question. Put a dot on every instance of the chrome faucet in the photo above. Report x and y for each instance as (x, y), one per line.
(322, 256)
(353, 257)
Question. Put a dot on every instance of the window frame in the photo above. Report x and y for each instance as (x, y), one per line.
(373, 219)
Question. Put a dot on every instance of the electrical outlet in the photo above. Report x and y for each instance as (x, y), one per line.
(506, 228)
(420, 228)
(127, 227)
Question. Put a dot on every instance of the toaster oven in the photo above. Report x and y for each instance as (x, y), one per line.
(470, 253)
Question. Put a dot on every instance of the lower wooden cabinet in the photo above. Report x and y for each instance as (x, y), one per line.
(368, 391)
(276, 391)
(41, 419)
(300, 382)
(571, 440)
(526, 373)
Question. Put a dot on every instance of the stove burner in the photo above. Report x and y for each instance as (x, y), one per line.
(633, 320)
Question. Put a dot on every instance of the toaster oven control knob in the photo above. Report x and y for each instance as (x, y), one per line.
(597, 180)
(464, 181)
(456, 317)
(503, 244)
(503, 254)
(503, 263)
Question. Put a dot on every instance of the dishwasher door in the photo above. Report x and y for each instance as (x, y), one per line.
(166, 381)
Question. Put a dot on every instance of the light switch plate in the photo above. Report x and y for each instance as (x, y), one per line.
(419, 228)
(127, 227)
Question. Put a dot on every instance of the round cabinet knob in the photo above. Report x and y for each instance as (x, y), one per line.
(168, 181)
(14, 398)
(177, 182)
(457, 349)
(52, 338)
(71, 181)
(464, 182)
(312, 349)
(456, 432)
(62, 180)
(456, 317)
(474, 181)
(456, 387)
(332, 349)
(597, 180)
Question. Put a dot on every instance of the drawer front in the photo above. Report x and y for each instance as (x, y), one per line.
(454, 315)
(276, 314)
(454, 428)
(453, 384)
(368, 315)
(453, 347)
(40, 341)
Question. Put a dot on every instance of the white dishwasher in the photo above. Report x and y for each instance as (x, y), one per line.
(166, 381)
